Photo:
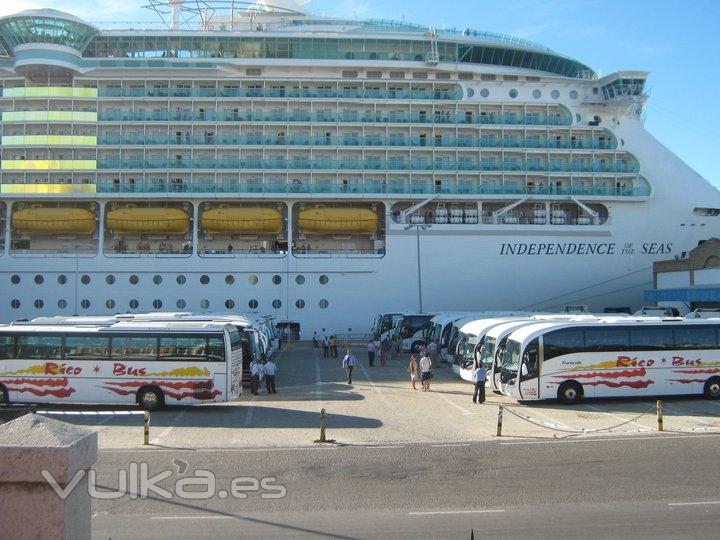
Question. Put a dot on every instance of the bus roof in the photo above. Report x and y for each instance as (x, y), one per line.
(526, 333)
(124, 327)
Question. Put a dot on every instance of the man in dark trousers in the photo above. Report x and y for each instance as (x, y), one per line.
(349, 363)
(254, 377)
(479, 377)
(270, 368)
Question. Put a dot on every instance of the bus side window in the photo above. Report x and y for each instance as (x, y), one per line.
(215, 350)
(7, 347)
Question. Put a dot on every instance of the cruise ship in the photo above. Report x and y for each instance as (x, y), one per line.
(257, 157)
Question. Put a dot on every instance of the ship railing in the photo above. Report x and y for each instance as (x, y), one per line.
(407, 94)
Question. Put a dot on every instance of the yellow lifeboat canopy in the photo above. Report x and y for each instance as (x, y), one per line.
(227, 219)
(148, 220)
(320, 220)
(58, 220)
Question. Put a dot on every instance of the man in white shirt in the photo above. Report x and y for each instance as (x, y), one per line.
(270, 368)
(479, 377)
(255, 371)
(371, 352)
(425, 372)
(349, 363)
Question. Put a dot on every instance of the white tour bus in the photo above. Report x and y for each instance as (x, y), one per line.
(411, 330)
(470, 338)
(151, 364)
(384, 326)
(617, 358)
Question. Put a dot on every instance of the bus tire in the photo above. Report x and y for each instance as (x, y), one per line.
(570, 392)
(150, 398)
(712, 388)
(4, 396)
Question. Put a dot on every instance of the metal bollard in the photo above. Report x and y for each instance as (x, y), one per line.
(659, 415)
(323, 425)
(146, 428)
(499, 420)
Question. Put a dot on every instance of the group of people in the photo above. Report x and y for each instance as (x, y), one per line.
(260, 370)
(330, 347)
(387, 348)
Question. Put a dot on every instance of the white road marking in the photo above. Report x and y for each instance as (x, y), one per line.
(318, 377)
(448, 445)
(376, 389)
(607, 439)
(453, 404)
(251, 407)
(621, 418)
(699, 503)
(225, 449)
(195, 517)
(456, 512)
(168, 429)
(386, 446)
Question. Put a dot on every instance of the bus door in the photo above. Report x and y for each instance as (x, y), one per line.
(529, 383)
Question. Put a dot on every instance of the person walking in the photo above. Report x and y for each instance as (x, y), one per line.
(413, 370)
(326, 347)
(349, 363)
(371, 352)
(479, 377)
(315, 340)
(384, 351)
(254, 377)
(432, 351)
(425, 372)
(333, 346)
(270, 368)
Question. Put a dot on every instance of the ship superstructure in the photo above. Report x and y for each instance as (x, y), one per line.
(261, 158)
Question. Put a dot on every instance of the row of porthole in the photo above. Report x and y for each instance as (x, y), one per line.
(158, 304)
(158, 279)
(513, 93)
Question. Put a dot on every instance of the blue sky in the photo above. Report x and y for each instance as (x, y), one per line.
(677, 41)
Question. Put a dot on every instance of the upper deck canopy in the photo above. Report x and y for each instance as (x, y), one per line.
(46, 26)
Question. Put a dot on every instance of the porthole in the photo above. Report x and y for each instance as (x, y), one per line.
(324, 279)
(39, 279)
(299, 280)
(85, 303)
(157, 303)
(513, 93)
(484, 92)
(62, 279)
(470, 92)
(133, 304)
(277, 304)
(555, 94)
(578, 118)
(299, 304)
(62, 304)
(181, 304)
(229, 280)
(133, 279)
(573, 94)
(38, 304)
(110, 304)
(204, 279)
(15, 303)
(277, 280)
(180, 280)
(537, 94)
(229, 304)
(85, 279)
(110, 279)
(253, 304)
(324, 304)
(157, 279)
(15, 279)
(204, 304)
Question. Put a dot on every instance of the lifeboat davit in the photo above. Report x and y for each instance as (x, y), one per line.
(237, 219)
(323, 220)
(59, 220)
(148, 220)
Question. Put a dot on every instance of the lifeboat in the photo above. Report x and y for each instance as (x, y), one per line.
(148, 220)
(321, 220)
(59, 220)
(236, 219)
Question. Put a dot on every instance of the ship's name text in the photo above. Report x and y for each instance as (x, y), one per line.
(582, 248)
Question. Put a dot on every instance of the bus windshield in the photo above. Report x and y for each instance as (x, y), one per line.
(511, 360)
(488, 352)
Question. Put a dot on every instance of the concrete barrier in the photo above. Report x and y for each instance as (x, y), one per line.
(34, 449)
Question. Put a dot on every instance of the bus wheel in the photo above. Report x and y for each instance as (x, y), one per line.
(150, 399)
(4, 400)
(570, 392)
(712, 388)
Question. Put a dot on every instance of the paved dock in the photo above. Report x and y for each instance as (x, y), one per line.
(380, 409)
